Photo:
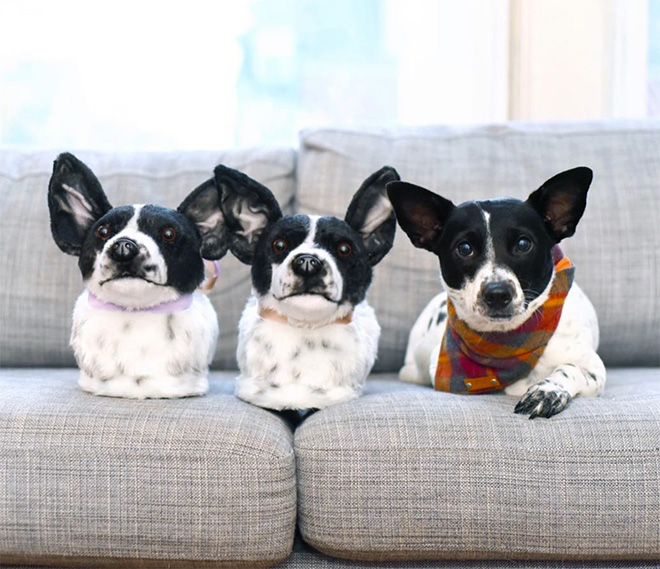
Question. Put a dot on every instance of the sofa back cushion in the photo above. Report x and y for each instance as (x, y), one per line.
(616, 248)
(39, 284)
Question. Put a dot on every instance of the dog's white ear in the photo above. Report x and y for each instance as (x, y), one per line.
(420, 213)
(202, 207)
(76, 201)
(249, 208)
(371, 214)
(561, 201)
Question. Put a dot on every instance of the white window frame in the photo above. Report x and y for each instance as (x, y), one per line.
(581, 59)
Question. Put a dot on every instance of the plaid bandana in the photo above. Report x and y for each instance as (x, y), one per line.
(481, 362)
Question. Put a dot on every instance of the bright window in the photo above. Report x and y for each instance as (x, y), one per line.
(218, 73)
(654, 59)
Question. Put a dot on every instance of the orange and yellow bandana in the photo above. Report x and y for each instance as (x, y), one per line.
(480, 362)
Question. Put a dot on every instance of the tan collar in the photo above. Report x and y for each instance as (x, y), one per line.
(212, 272)
(270, 314)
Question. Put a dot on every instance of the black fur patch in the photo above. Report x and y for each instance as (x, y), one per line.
(170, 328)
(510, 220)
(185, 268)
(116, 219)
(356, 269)
(294, 230)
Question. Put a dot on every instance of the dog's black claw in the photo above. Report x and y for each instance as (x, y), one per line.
(523, 407)
(542, 412)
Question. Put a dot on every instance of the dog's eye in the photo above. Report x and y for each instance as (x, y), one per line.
(465, 250)
(344, 250)
(169, 234)
(523, 245)
(103, 231)
(280, 245)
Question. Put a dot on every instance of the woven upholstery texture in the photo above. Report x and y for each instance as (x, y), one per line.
(408, 473)
(207, 479)
(617, 257)
(39, 284)
(304, 557)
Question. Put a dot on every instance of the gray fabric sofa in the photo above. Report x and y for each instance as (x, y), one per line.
(401, 477)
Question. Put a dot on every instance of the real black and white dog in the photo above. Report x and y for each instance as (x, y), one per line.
(498, 261)
(307, 337)
(140, 329)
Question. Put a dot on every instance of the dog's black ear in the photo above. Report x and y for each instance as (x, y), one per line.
(76, 201)
(420, 213)
(561, 201)
(248, 207)
(202, 207)
(371, 214)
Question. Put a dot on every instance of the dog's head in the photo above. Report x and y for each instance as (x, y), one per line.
(495, 256)
(134, 256)
(310, 269)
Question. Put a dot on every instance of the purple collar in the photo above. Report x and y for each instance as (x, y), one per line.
(177, 305)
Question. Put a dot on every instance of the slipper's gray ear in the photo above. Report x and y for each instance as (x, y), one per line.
(371, 214)
(561, 201)
(421, 213)
(202, 207)
(76, 201)
(248, 207)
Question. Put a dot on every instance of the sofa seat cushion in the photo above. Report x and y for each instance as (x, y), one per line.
(97, 481)
(407, 473)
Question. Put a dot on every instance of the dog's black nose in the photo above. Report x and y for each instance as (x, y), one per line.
(123, 250)
(306, 265)
(497, 295)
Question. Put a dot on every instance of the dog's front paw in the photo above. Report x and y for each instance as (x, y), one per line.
(544, 399)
